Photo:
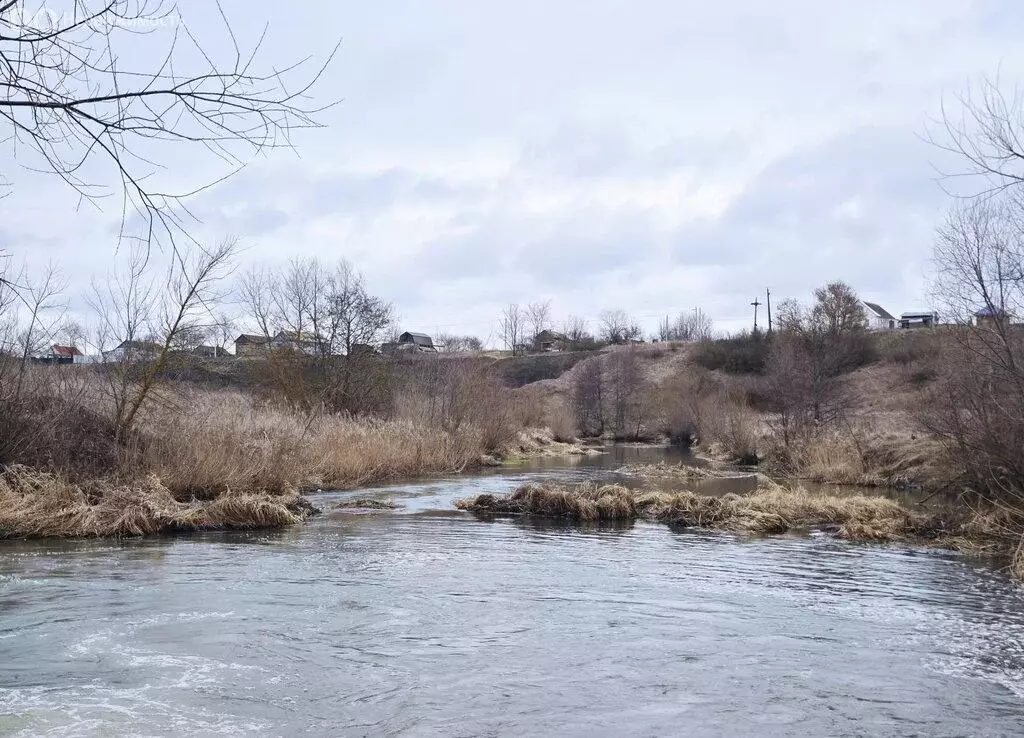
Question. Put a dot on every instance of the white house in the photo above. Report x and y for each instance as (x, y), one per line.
(879, 319)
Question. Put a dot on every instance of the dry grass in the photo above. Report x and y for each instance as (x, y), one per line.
(226, 441)
(868, 459)
(663, 470)
(369, 503)
(37, 505)
(772, 509)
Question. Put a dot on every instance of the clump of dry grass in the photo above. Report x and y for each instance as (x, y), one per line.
(772, 509)
(369, 503)
(862, 458)
(663, 470)
(38, 505)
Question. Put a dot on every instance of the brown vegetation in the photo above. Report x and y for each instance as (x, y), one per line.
(36, 504)
(771, 510)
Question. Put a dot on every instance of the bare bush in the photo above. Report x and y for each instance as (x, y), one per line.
(693, 326)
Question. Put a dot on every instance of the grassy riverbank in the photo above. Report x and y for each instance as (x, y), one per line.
(199, 459)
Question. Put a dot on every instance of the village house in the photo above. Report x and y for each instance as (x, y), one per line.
(918, 320)
(410, 341)
(989, 317)
(133, 351)
(548, 340)
(66, 355)
(879, 319)
(209, 352)
(298, 341)
(251, 344)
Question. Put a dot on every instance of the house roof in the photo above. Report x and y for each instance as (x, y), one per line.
(298, 337)
(878, 310)
(140, 345)
(990, 312)
(251, 338)
(549, 335)
(65, 351)
(420, 339)
(912, 316)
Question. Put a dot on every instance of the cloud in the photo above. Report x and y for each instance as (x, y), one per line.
(653, 155)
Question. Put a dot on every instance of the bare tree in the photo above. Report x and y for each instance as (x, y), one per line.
(224, 330)
(537, 318)
(985, 133)
(574, 328)
(588, 397)
(693, 326)
(299, 293)
(618, 328)
(353, 316)
(811, 350)
(75, 107)
(453, 344)
(129, 305)
(72, 333)
(978, 408)
(626, 392)
(838, 310)
(255, 291)
(511, 327)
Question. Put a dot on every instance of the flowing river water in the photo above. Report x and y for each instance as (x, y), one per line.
(423, 622)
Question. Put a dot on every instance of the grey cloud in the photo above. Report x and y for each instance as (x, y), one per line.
(857, 208)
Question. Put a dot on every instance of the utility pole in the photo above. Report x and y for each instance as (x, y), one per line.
(755, 303)
(768, 292)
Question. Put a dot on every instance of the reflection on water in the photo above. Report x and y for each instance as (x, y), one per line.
(430, 622)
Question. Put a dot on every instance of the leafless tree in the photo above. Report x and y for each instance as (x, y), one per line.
(224, 330)
(298, 294)
(626, 393)
(588, 397)
(452, 344)
(352, 316)
(691, 326)
(72, 333)
(984, 131)
(255, 292)
(978, 408)
(130, 305)
(618, 328)
(511, 327)
(574, 328)
(811, 351)
(537, 318)
(76, 108)
(838, 310)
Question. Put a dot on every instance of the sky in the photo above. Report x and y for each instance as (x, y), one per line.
(650, 155)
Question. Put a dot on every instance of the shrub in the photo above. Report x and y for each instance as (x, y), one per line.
(744, 354)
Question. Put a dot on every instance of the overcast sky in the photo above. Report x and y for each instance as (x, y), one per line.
(650, 155)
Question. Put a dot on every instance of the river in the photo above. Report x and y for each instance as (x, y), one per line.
(424, 622)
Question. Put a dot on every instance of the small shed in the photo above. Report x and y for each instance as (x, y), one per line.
(918, 320)
(879, 319)
(416, 341)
